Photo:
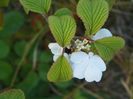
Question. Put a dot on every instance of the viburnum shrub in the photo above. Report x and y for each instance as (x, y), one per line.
(82, 57)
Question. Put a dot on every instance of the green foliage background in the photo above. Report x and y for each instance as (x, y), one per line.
(20, 45)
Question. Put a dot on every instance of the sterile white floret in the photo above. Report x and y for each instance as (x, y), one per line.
(88, 66)
(57, 51)
(103, 33)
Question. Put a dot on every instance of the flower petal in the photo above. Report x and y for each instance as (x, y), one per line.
(55, 57)
(56, 49)
(79, 70)
(102, 34)
(95, 68)
(92, 74)
(97, 61)
(78, 57)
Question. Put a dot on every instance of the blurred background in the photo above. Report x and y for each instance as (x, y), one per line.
(25, 58)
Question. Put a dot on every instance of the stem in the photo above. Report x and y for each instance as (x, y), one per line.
(127, 89)
(35, 54)
(27, 49)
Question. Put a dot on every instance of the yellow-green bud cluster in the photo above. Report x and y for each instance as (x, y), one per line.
(82, 45)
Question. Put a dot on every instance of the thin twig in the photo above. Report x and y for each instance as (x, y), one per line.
(27, 49)
(92, 93)
(35, 54)
(55, 90)
(127, 89)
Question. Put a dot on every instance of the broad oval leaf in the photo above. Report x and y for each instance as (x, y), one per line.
(12, 94)
(63, 29)
(38, 6)
(63, 11)
(60, 71)
(93, 13)
(108, 47)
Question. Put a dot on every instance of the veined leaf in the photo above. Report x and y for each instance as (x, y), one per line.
(63, 11)
(12, 94)
(111, 3)
(93, 13)
(26, 10)
(63, 29)
(38, 6)
(60, 70)
(108, 47)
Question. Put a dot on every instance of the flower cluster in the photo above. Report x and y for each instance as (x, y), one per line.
(85, 65)
(82, 45)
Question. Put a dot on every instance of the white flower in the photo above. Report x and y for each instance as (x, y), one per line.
(57, 51)
(88, 66)
(103, 33)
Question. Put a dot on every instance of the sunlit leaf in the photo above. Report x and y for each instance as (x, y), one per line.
(108, 47)
(38, 6)
(12, 94)
(60, 70)
(63, 29)
(93, 13)
(63, 11)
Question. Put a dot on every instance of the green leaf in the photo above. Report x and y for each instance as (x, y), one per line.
(38, 6)
(26, 10)
(45, 57)
(5, 71)
(43, 70)
(4, 3)
(111, 3)
(19, 47)
(63, 11)
(13, 21)
(108, 47)
(12, 94)
(4, 49)
(29, 82)
(64, 85)
(60, 71)
(93, 13)
(63, 29)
